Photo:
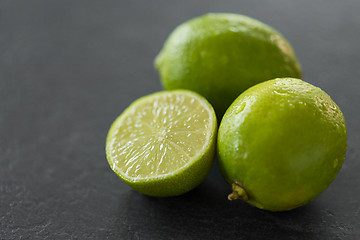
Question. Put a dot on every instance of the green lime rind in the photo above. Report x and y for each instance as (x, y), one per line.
(282, 141)
(183, 179)
(220, 55)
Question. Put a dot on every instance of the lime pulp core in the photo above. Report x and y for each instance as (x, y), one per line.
(160, 136)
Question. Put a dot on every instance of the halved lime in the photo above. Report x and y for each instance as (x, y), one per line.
(163, 144)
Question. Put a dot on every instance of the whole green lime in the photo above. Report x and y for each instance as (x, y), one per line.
(281, 143)
(220, 55)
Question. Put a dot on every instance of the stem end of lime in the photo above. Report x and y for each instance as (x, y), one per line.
(238, 193)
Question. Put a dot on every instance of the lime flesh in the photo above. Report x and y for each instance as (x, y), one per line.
(163, 144)
(220, 55)
(281, 143)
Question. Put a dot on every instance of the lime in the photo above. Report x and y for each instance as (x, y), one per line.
(220, 55)
(163, 144)
(281, 143)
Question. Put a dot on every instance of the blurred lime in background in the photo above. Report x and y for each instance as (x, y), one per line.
(220, 55)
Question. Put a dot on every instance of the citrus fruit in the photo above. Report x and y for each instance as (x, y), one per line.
(220, 55)
(281, 143)
(163, 144)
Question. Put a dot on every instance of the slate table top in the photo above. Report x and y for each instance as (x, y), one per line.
(68, 68)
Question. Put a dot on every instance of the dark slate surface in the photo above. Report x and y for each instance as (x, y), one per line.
(68, 68)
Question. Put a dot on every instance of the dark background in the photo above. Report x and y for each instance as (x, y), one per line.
(68, 68)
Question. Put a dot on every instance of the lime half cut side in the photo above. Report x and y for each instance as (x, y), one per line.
(163, 144)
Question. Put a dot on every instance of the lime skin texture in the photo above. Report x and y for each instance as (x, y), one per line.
(154, 132)
(220, 55)
(281, 143)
